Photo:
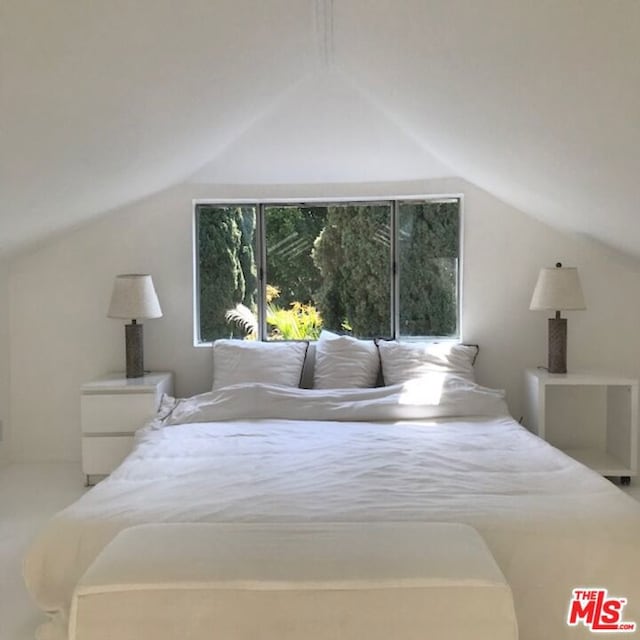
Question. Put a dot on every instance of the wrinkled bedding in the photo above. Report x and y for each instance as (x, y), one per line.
(551, 524)
(434, 395)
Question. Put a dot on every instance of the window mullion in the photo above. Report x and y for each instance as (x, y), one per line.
(261, 245)
(395, 273)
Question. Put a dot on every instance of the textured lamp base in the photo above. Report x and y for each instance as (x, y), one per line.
(135, 359)
(557, 345)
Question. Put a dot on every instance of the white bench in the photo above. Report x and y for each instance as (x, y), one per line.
(383, 581)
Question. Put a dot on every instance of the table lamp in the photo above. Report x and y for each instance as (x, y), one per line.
(558, 289)
(134, 297)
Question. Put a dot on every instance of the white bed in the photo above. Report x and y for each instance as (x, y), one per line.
(551, 524)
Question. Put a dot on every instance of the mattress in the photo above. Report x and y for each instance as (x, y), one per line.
(551, 524)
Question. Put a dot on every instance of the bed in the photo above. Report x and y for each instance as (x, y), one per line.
(264, 453)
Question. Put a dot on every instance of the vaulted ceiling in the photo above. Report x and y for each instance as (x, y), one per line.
(102, 103)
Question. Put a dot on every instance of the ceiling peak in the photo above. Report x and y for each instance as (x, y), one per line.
(323, 18)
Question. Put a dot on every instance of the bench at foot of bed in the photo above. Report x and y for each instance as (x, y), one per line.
(405, 581)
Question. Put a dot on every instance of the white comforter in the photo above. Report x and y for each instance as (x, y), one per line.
(551, 524)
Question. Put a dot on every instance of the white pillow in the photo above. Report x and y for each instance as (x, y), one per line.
(343, 362)
(404, 361)
(236, 361)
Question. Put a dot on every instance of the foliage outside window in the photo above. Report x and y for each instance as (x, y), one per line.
(370, 269)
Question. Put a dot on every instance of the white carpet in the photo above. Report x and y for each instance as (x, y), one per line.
(29, 495)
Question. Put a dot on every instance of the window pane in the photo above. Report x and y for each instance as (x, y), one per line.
(328, 267)
(293, 279)
(226, 237)
(428, 245)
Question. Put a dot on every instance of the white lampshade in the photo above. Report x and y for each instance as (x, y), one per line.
(558, 289)
(134, 297)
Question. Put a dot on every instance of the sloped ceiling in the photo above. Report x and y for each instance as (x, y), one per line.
(322, 130)
(105, 102)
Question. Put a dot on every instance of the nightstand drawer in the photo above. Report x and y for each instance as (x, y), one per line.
(112, 408)
(100, 456)
(122, 413)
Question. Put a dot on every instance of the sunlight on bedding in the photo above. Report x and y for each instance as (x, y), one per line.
(424, 390)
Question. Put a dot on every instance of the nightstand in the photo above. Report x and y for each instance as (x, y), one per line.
(111, 409)
(591, 417)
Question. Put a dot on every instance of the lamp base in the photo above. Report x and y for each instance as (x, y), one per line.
(557, 345)
(135, 358)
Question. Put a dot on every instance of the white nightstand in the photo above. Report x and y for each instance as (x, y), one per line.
(591, 417)
(111, 409)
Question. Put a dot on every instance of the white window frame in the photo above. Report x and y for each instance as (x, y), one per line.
(261, 254)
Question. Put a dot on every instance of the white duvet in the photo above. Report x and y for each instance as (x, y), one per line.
(551, 524)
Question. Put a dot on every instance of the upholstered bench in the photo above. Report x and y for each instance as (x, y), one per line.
(400, 581)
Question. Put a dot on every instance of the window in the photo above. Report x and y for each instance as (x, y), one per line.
(286, 271)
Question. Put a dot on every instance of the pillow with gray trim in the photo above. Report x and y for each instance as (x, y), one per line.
(404, 361)
(238, 361)
(343, 362)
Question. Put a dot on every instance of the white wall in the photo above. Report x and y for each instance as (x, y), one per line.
(4, 362)
(59, 292)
